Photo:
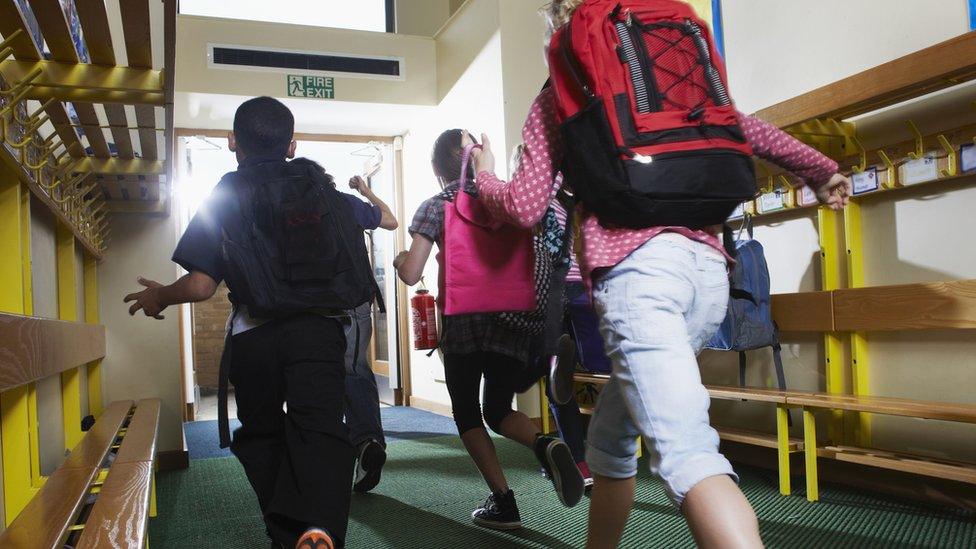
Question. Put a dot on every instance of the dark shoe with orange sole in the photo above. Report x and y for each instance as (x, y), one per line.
(315, 538)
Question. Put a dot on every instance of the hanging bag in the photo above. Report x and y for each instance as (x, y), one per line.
(488, 265)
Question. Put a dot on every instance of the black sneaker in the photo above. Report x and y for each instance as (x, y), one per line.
(559, 465)
(561, 368)
(369, 466)
(498, 512)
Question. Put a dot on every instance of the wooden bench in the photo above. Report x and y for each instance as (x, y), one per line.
(896, 461)
(114, 462)
(780, 440)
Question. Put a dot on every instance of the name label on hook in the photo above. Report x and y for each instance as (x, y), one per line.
(738, 212)
(866, 181)
(920, 170)
(807, 196)
(967, 157)
(771, 202)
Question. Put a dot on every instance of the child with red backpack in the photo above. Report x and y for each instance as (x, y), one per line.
(640, 123)
(476, 347)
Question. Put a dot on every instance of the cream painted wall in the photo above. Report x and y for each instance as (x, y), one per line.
(421, 17)
(777, 50)
(474, 103)
(193, 74)
(142, 355)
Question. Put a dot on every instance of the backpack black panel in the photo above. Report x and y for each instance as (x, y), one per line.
(292, 244)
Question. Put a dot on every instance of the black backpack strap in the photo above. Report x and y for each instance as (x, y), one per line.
(742, 368)
(728, 240)
(223, 376)
(780, 372)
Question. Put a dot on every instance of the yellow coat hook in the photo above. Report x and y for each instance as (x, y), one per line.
(919, 141)
(861, 152)
(892, 181)
(951, 152)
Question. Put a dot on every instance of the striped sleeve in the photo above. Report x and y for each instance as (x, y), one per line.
(773, 144)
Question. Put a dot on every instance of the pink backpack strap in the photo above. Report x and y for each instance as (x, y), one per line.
(469, 208)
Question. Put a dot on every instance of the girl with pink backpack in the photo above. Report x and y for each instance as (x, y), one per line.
(481, 274)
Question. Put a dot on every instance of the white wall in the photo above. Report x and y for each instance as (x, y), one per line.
(142, 358)
(777, 50)
(474, 103)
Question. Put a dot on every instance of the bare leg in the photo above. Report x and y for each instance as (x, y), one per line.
(518, 427)
(610, 503)
(482, 452)
(720, 516)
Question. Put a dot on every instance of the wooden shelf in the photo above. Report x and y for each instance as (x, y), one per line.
(934, 68)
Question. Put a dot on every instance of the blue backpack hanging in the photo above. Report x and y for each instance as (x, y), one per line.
(749, 323)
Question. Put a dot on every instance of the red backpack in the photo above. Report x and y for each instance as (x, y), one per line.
(650, 133)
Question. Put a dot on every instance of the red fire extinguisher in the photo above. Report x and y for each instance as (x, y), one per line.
(423, 306)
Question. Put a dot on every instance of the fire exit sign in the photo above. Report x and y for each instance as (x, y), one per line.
(316, 87)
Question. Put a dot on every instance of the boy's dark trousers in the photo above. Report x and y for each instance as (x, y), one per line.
(300, 463)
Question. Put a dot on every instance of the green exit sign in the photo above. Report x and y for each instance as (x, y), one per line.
(316, 87)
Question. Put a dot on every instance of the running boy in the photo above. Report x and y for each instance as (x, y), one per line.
(299, 463)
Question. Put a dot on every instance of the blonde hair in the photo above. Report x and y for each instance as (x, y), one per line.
(558, 12)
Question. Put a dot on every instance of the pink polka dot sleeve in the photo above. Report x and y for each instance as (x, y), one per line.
(773, 144)
(523, 200)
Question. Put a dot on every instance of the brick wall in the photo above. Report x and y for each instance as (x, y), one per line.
(209, 321)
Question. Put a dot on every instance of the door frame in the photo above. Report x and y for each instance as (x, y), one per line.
(401, 396)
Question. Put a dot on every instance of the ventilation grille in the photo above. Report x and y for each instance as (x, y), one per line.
(367, 66)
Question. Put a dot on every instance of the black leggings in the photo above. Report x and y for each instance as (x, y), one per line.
(463, 373)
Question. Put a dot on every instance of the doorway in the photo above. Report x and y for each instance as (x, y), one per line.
(202, 159)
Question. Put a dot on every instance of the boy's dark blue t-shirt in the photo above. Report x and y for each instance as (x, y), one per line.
(199, 247)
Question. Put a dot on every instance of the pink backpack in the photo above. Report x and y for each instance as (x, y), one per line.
(487, 265)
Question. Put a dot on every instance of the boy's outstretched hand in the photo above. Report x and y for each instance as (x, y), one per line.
(836, 193)
(147, 300)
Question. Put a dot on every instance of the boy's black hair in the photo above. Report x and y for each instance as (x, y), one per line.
(264, 125)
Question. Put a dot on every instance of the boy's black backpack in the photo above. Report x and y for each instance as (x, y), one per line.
(290, 242)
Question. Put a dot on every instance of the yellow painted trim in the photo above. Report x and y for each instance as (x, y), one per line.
(544, 408)
(827, 225)
(118, 166)
(859, 423)
(640, 448)
(152, 496)
(810, 454)
(84, 82)
(25, 250)
(783, 448)
(33, 429)
(92, 317)
(15, 409)
(68, 310)
(14, 421)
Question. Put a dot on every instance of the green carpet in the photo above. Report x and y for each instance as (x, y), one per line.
(430, 487)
